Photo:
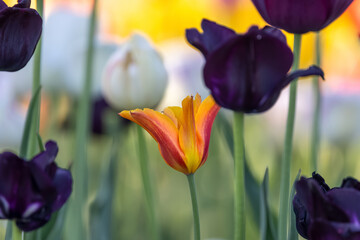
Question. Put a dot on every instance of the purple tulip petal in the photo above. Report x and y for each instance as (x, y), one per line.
(23, 4)
(37, 220)
(311, 71)
(301, 16)
(2, 5)
(20, 30)
(317, 203)
(351, 183)
(213, 36)
(31, 190)
(338, 7)
(323, 213)
(321, 181)
(17, 191)
(245, 72)
(275, 32)
(302, 217)
(348, 200)
(247, 68)
(47, 157)
(43, 182)
(63, 184)
(321, 230)
(324, 230)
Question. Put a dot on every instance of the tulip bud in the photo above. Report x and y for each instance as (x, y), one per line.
(135, 76)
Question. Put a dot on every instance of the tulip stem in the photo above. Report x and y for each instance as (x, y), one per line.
(315, 137)
(239, 184)
(287, 154)
(34, 129)
(191, 180)
(145, 174)
(82, 133)
(17, 234)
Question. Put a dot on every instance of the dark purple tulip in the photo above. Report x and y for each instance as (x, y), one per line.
(245, 72)
(20, 30)
(327, 214)
(103, 116)
(301, 16)
(30, 191)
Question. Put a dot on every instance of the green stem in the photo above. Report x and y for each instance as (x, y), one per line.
(287, 154)
(82, 133)
(239, 184)
(145, 174)
(315, 137)
(16, 232)
(34, 130)
(191, 180)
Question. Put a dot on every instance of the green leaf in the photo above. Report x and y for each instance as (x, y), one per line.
(57, 222)
(28, 122)
(267, 228)
(8, 235)
(292, 232)
(40, 143)
(101, 205)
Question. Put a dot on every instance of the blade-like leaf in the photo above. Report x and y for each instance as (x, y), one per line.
(8, 235)
(292, 232)
(56, 229)
(29, 118)
(101, 206)
(40, 143)
(267, 229)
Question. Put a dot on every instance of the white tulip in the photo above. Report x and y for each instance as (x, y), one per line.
(135, 76)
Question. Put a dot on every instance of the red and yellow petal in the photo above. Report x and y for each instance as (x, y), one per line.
(163, 130)
(187, 131)
(204, 119)
(174, 113)
(183, 134)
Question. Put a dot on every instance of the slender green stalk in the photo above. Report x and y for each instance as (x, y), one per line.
(32, 147)
(16, 232)
(147, 184)
(239, 184)
(82, 133)
(287, 154)
(195, 207)
(315, 134)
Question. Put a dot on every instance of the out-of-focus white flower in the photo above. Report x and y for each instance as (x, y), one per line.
(135, 76)
(64, 53)
(184, 66)
(12, 119)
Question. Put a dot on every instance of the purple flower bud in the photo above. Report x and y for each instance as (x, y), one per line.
(30, 191)
(327, 214)
(303, 16)
(20, 30)
(245, 72)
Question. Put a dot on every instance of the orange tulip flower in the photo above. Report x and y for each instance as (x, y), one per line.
(183, 134)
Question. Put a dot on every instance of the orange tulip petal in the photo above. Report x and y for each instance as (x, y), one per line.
(183, 134)
(174, 114)
(163, 130)
(187, 130)
(197, 103)
(204, 120)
